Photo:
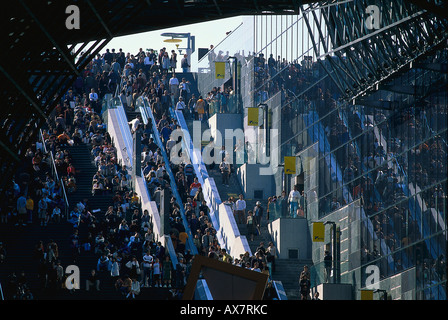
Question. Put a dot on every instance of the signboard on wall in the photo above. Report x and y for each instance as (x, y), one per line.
(290, 165)
(366, 294)
(318, 232)
(220, 70)
(252, 117)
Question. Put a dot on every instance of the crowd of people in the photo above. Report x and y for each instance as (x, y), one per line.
(37, 196)
(123, 239)
(167, 94)
(363, 154)
(194, 207)
(371, 154)
(188, 187)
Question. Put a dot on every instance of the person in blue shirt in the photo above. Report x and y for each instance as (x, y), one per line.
(189, 173)
(165, 133)
(21, 209)
(147, 168)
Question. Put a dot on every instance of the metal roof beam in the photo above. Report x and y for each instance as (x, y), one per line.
(52, 40)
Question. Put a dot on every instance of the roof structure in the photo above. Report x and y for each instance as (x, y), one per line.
(44, 50)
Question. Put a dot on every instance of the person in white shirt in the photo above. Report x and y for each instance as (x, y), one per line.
(148, 61)
(293, 200)
(225, 171)
(180, 104)
(135, 123)
(115, 269)
(56, 215)
(159, 171)
(93, 96)
(240, 209)
(156, 273)
(174, 85)
(146, 156)
(147, 270)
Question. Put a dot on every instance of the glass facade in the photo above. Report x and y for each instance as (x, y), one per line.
(377, 168)
(393, 162)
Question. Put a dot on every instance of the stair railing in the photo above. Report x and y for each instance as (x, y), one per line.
(149, 116)
(121, 129)
(55, 175)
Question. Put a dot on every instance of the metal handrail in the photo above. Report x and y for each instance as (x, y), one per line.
(125, 133)
(1, 291)
(56, 175)
(64, 196)
(176, 194)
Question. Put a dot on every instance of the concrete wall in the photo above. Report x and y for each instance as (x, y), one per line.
(251, 180)
(228, 231)
(218, 124)
(288, 233)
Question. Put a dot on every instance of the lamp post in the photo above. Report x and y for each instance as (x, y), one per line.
(236, 76)
(266, 134)
(175, 38)
(335, 260)
(384, 293)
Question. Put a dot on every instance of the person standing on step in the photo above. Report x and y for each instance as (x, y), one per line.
(250, 225)
(294, 200)
(224, 166)
(180, 105)
(42, 211)
(184, 89)
(240, 209)
(173, 61)
(271, 255)
(174, 85)
(305, 287)
(147, 264)
(184, 64)
(258, 215)
(200, 108)
(192, 107)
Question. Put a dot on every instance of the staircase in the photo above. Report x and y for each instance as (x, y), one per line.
(85, 169)
(20, 243)
(288, 271)
(192, 78)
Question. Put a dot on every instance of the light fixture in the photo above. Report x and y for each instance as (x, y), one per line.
(172, 40)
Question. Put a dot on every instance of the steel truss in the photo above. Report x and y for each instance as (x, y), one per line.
(360, 60)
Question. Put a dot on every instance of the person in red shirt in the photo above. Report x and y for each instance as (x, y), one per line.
(71, 170)
(194, 187)
(63, 139)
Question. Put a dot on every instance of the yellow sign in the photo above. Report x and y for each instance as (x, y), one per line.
(220, 70)
(366, 294)
(252, 117)
(318, 232)
(290, 165)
